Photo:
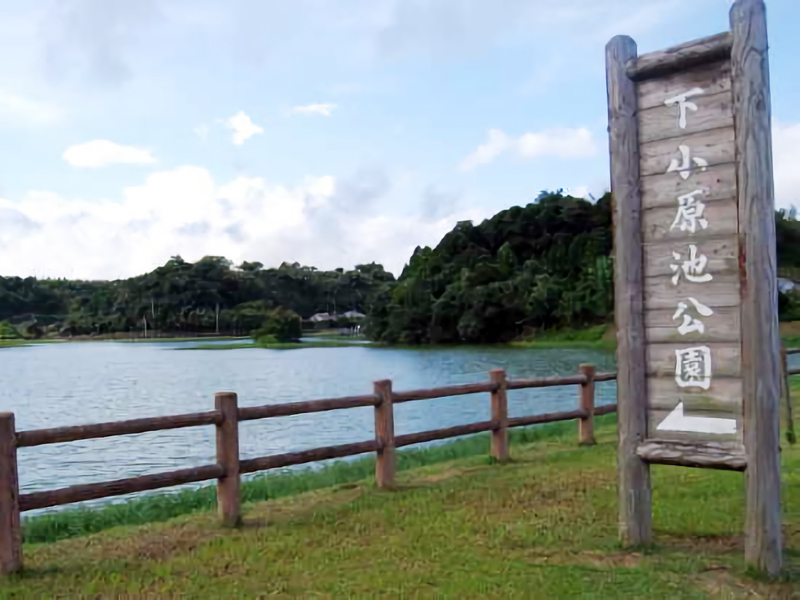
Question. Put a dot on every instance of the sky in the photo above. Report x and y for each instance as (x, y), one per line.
(324, 132)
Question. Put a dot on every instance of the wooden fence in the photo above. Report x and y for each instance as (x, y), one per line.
(786, 391)
(228, 468)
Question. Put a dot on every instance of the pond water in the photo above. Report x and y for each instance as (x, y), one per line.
(52, 385)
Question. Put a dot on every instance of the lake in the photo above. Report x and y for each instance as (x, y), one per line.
(52, 385)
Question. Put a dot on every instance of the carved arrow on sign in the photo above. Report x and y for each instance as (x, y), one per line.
(677, 421)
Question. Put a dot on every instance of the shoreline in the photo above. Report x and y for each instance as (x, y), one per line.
(789, 339)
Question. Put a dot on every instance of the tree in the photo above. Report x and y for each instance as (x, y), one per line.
(281, 324)
(532, 266)
(8, 332)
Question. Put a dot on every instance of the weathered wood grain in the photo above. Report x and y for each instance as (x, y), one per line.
(57, 435)
(443, 392)
(657, 416)
(726, 358)
(384, 435)
(681, 57)
(268, 411)
(586, 404)
(10, 530)
(444, 433)
(718, 183)
(278, 461)
(119, 487)
(568, 415)
(605, 376)
(695, 408)
(633, 481)
(229, 505)
(553, 380)
(722, 326)
(761, 341)
(725, 393)
(786, 391)
(663, 122)
(707, 455)
(499, 447)
(716, 147)
(661, 224)
(722, 256)
(713, 78)
(660, 293)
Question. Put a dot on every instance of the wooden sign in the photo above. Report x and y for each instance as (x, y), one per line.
(691, 264)
(696, 288)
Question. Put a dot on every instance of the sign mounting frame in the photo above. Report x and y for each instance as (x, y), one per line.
(700, 114)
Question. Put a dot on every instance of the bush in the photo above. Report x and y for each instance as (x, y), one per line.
(789, 306)
(281, 325)
(7, 331)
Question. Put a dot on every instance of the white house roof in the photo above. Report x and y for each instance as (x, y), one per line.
(319, 317)
(353, 314)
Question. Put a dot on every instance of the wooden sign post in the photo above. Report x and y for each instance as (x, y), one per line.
(696, 290)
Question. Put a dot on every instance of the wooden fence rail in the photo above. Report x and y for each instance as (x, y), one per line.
(229, 468)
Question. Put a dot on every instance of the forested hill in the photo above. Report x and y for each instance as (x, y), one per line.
(181, 297)
(546, 265)
(543, 265)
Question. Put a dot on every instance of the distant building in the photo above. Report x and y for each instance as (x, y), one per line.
(321, 318)
(353, 314)
(786, 285)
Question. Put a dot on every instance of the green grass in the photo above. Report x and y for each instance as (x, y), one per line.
(542, 526)
(161, 507)
(592, 337)
(13, 343)
(221, 338)
(331, 333)
(27, 342)
(278, 345)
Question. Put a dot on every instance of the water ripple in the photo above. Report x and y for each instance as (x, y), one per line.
(70, 384)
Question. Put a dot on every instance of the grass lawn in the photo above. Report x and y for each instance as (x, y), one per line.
(279, 345)
(12, 343)
(219, 338)
(601, 337)
(543, 526)
(27, 342)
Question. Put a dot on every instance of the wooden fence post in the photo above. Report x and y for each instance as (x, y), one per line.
(228, 498)
(787, 394)
(10, 531)
(758, 266)
(586, 402)
(500, 414)
(384, 435)
(633, 474)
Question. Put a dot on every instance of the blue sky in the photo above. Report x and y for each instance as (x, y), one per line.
(329, 132)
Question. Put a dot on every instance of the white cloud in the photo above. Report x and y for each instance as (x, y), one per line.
(184, 211)
(786, 164)
(15, 108)
(100, 153)
(319, 109)
(497, 143)
(243, 127)
(580, 191)
(201, 131)
(558, 142)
